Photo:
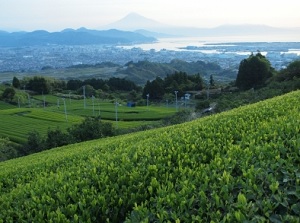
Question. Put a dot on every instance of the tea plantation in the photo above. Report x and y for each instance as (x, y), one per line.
(238, 166)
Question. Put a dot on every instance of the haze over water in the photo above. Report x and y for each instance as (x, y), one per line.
(178, 43)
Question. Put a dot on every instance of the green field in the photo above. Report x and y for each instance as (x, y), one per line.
(77, 73)
(4, 105)
(17, 122)
(237, 166)
(106, 109)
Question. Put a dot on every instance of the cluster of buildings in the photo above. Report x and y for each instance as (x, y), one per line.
(58, 56)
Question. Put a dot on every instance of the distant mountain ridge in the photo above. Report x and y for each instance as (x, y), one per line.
(135, 29)
(134, 22)
(80, 36)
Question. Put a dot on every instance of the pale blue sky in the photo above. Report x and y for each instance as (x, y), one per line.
(55, 15)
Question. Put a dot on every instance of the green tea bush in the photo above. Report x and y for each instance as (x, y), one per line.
(237, 166)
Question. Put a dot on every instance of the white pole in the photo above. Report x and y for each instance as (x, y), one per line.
(93, 98)
(147, 101)
(19, 102)
(116, 108)
(65, 106)
(99, 109)
(29, 103)
(84, 103)
(176, 100)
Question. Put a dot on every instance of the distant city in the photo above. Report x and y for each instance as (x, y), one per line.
(227, 55)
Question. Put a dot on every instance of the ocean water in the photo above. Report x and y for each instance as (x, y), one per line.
(180, 43)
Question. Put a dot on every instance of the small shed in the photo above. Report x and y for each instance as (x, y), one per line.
(130, 104)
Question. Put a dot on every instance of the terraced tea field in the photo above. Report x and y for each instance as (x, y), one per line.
(237, 166)
(17, 122)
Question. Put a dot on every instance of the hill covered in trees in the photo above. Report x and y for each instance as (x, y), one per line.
(142, 71)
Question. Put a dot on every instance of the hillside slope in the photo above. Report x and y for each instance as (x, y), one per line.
(142, 71)
(241, 165)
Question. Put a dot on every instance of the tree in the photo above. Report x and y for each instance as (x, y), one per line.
(16, 83)
(35, 143)
(155, 89)
(121, 84)
(7, 151)
(211, 81)
(8, 94)
(95, 83)
(91, 128)
(132, 96)
(39, 85)
(56, 85)
(74, 84)
(198, 82)
(292, 70)
(56, 138)
(89, 90)
(179, 81)
(253, 72)
(202, 105)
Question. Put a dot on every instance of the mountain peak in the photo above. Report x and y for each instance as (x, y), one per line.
(133, 15)
(134, 21)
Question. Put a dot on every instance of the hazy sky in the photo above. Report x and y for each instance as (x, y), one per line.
(55, 15)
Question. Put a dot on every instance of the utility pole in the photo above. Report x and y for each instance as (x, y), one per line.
(147, 102)
(84, 102)
(93, 99)
(99, 113)
(116, 109)
(29, 102)
(44, 99)
(176, 100)
(65, 106)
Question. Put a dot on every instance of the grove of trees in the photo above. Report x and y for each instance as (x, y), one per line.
(112, 84)
(179, 81)
(8, 94)
(90, 128)
(253, 72)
